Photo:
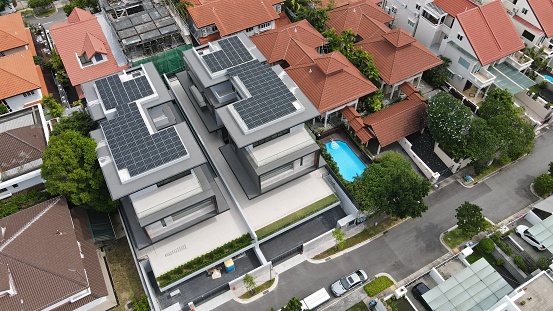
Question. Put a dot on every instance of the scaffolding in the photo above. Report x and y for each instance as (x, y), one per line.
(143, 29)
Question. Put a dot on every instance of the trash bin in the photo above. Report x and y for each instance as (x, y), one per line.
(229, 265)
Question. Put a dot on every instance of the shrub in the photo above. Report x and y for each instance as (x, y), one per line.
(542, 263)
(479, 167)
(543, 185)
(504, 159)
(499, 262)
(39, 3)
(140, 304)
(485, 245)
(505, 248)
(377, 285)
(3, 109)
(520, 263)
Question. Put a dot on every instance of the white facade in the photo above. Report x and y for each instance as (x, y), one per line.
(18, 102)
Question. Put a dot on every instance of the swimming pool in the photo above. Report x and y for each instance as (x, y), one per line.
(348, 162)
(548, 78)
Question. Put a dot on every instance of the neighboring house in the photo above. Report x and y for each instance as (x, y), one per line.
(48, 261)
(23, 137)
(484, 48)
(391, 123)
(83, 48)
(296, 48)
(212, 20)
(256, 109)
(365, 19)
(151, 162)
(394, 53)
(21, 81)
(532, 19)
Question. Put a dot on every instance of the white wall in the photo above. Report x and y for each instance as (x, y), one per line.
(406, 145)
(260, 275)
(19, 101)
(16, 50)
(23, 182)
(403, 14)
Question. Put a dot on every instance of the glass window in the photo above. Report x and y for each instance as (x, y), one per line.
(463, 62)
(524, 11)
(528, 35)
(410, 23)
(418, 6)
(460, 37)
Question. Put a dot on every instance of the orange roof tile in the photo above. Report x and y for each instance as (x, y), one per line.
(543, 9)
(364, 18)
(229, 15)
(490, 31)
(364, 135)
(19, 70)
(12, 32)
(283, 20)
(82, 32)
(408, 89)
(454, 7)
(398, 120)
(274, 44)
(350, 113)
(209, 38)
(393, 54)
(356, 123)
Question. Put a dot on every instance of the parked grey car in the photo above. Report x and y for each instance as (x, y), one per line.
(348, 282)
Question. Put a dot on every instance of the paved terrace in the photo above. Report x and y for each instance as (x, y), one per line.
(260, 211)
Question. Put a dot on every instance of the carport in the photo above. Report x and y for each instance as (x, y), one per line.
(543, 232)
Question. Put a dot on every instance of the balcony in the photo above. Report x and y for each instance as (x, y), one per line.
(548, 49)
(519, 61)
(482, 78)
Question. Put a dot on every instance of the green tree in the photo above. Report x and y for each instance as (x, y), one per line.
(515, 135)
(391, 185)
(79, 121)
(448, 121)
(486, 245)
(543, 185)
(39, 3)
(316, 16)
(70, 168)
(91, 5)
(293, 305)
(339, 237)
(249, 283)
(55, 108)
(4, 3)
(470, 219)
(58, 67)
(140, 304)
(3, 109)
(438, 75)
(482, 141)
(542, 263)
(550, 168)
(498, 102)
(373, 102)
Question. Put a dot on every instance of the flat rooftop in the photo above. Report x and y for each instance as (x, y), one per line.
(537, 294)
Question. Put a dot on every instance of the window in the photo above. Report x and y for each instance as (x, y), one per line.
(514, 1)
(214, 28)
(84, 59)
(463, 62)
(98, 57)
(460, 37)
(265, 25)
(524, 11)
(528, 35)
(430, 17)
(15, 185)
(417, 6)
(27, 94)
(450, 74)
(249, 29)
(268, 139)
(3, 190)
(410, 23)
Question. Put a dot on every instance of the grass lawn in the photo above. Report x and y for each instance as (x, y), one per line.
(125, 277)
(490, 169)
(299, 215)
(364, 235)
(472, 258)
(360, 306)
(455, 237)
(258, 289)
(377, 285)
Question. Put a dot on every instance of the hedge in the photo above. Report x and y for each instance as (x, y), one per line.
(204, 260)
(377, 285)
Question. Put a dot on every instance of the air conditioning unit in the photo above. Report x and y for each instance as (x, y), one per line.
(404, 5)
(515, 10)
(387, 9)
(460, 77)
(394, 9)
(417, 14)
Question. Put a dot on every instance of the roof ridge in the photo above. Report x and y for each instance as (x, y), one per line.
(395, 115)
(21, 140)
(17, 76)
(489, 27)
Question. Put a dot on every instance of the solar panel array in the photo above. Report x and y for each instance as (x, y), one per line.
(134, 148)
(232, 53)
(114, 92)
(271, 99)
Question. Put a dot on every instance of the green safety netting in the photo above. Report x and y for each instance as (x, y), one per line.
(169, 62)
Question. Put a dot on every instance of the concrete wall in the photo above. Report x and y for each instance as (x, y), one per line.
(436, 276)
(19, 101)
(518, 274)
(406, 145)
(260, 275)
(316, 242)
(347, 205)
(449, 162)
(532, 218)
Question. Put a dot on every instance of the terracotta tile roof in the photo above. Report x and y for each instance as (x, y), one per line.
(4, 278)
(82, 32)
(274, 44)
(543, 10)
(12, 32)
(356, 123)
(283, 20)
(393, 54)
(18, 74)
(454, 7)
(350, 113)
(490, 31)
(331, 81)
(408, 89)
(59, 271)
(526, 24)
(229, 15)
(209, 38)
(398, 120)
(364, 18)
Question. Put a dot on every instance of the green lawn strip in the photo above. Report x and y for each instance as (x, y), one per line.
(299, 215)
(360, 306)
(258, 289)
(472, 258)
(490, 169)
(455, 237)
(364, 235)
(377, 285)
(204, 260)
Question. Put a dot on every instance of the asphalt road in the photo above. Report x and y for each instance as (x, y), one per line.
(59, 16)
(415, 243)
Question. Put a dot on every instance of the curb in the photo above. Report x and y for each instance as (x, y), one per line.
(329, 258)
(258, 296)
(499, 170)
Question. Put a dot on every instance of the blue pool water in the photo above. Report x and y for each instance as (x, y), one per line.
(348, 162)
(548, 78)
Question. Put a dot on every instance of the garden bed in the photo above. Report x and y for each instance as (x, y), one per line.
(360, 306)
(258, 289)
(378, 285)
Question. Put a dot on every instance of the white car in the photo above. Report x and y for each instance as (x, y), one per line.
(348, 282)
(523, 232)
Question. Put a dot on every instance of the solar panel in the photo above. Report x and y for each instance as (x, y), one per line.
(271, 99)
(114, 92)
(232, 53)
(134, 148)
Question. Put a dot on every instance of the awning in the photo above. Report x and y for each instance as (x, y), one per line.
(546, 205)
(507, 77)
(543, 232)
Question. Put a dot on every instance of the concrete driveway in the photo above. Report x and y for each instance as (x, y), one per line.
(415, 243)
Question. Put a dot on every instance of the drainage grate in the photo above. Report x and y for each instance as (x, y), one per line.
(327, 259)
(265, 292)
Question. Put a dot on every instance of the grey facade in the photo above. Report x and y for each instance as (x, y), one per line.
(262, 158)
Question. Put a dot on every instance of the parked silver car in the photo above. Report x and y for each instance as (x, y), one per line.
(348, 282)
(523, 232)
